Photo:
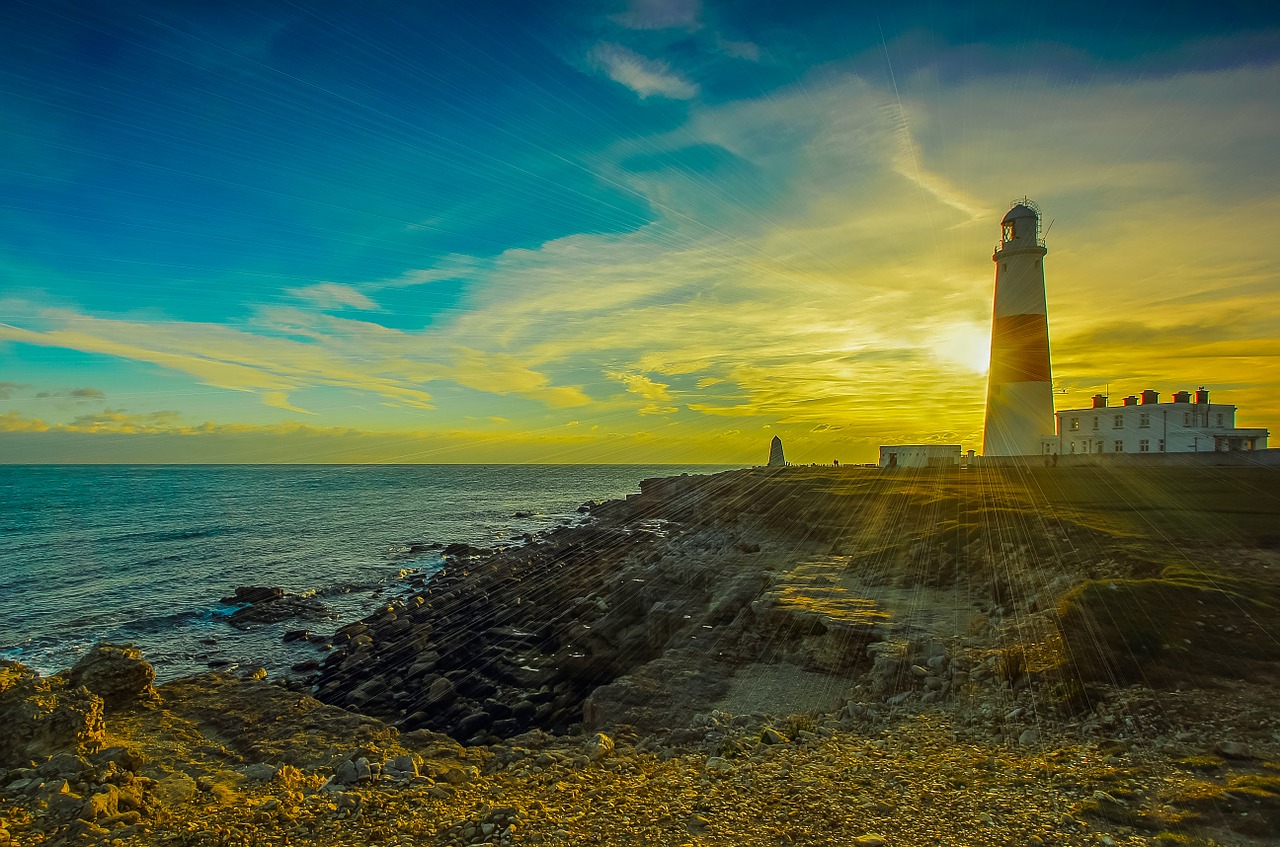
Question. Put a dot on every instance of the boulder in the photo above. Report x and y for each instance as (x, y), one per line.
(118, 674)
(43, 717)
(280, 608)
(254, 594)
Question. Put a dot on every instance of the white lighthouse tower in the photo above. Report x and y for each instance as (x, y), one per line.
(1019, 382)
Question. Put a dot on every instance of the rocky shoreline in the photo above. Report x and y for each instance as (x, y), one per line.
(763, 656)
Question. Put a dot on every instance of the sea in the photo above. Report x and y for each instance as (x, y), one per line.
(145, 553)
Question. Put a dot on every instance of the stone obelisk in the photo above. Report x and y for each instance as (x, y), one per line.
(1019, 382)
(776, 459)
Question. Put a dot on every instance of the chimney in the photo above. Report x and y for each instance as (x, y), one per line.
(1202, 395)
(1182, 396)
(1150, 397)
(1131, 400)
(1099, 401)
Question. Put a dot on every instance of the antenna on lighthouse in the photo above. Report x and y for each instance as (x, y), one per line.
(1046, 229)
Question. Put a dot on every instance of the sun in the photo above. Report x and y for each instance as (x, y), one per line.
(964, 344)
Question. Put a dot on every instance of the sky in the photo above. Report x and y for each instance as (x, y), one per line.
(636, 231)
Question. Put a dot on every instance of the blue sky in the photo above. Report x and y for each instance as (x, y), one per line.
(635, 231)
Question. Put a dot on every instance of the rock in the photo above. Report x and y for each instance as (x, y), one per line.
(279, 608)
(464, 551)
(259, 771)
(351, 771)
(65, 765)
(296, 635)
(254, 594)
(771, 736)
(43, 717)
(717, 764)
(174, 789)
(599, 746)
(870, 840)
(1029, 738)
(1233, 750)
(440, 693)
(400, 768)
(122, 756)
(118, 674)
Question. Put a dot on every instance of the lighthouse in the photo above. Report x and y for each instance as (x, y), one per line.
(1019, 381)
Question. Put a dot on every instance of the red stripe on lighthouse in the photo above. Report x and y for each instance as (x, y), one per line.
(1019, 349)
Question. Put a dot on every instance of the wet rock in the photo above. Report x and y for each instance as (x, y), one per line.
(464, 551)
(279, 608)
(118, 674)
(254, 594)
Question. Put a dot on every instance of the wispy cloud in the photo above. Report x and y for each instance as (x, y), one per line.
(331, 295)
(8, 388)
(646, 77)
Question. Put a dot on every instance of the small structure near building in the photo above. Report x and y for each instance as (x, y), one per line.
(776, 457)
(1189, 424)
(920, 456)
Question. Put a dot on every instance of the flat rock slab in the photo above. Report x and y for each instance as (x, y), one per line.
(783, 689)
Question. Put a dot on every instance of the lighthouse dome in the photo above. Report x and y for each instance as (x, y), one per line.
(1020, 211)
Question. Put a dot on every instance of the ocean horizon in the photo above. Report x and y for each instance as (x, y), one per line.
(144, 553)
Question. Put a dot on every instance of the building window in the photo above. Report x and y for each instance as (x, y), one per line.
(1144, 446)
(1097, 448)
(1119, 422)
(1075, 424)
(1119, 447)
(1073, 447)
(1095, 422)
(1144, 420)
(1219, 420)
(1161, 445)
(1186, 419)
(1048, 448)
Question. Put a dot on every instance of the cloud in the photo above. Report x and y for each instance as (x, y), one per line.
(7, 389)
(13, 421)
(642, 385)
(646, 77)
(87, 394)
(739, 49)
(661, 14)
(331, 295)
(280, 400)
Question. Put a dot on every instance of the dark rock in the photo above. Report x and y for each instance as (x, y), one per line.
(254, 594)
(279, 609)
(459, 550)
(472, 724)
(122, 756)
(296, 635)
(307, 666)
(118, 674)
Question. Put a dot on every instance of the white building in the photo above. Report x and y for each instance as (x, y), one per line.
(1189, 424)
(919, 455)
